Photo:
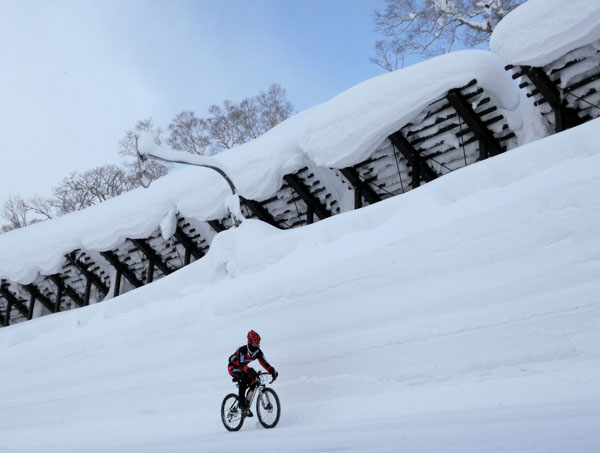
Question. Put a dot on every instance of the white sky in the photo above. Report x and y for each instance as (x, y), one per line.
(74, 75)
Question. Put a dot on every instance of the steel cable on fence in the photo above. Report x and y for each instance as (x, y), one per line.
(462, 142)
(580, 98)
(398, 167)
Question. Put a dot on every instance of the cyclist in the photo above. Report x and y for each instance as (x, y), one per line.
(239, 367)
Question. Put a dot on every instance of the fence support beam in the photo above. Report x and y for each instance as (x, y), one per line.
(259, 211)
(57, 300)
(12, 300)
(117, 290)
(88, 291)
(66, 289)
(420, 168)
(362, 189)
(189, 245)
(6, 319)
(564, 117)
(150, 277)
(488, 144)
(152, 256)
(35, 292)
(31, 307)
(122, 269)
(91, 277)
(311, 201)
(216, 225)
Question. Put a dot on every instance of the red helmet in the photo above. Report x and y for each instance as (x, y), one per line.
(253, 338)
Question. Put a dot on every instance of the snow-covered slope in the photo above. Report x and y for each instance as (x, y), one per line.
(340, 132)
(462, 316)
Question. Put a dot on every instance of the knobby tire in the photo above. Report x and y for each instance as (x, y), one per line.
(231, 416)
(268, 408)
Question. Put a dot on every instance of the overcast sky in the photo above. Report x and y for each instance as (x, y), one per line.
(74, 75)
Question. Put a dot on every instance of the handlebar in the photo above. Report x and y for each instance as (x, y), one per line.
(259, 374)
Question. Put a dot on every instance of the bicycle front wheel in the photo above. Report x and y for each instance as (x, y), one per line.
(231, 415)
(268, 408)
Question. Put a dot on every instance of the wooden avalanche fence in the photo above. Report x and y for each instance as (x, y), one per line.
(458, 129)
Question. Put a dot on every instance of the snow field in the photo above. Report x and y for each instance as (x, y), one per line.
(466, 309)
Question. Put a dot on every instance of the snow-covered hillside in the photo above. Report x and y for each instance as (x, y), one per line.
(340, 132)
(462, 316)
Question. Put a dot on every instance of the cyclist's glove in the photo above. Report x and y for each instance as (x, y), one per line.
(274, 374)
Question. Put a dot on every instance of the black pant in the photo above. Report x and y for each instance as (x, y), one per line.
(245, 380)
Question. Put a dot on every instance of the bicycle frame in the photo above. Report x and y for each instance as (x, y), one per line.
(268, 407)
(258, 388)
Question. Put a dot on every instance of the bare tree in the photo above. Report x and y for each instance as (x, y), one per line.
(16, 211)
(229, 124)
(107, 182)
(79, 191)
(42, 206)
(75, 192)
(70, 195)
(127, 147)
(234, 124)
(274, 106)
(224, 126)
(249, 119)
(189, 133)
(433, 27)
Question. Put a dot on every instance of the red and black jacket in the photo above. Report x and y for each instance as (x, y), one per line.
(240, 360)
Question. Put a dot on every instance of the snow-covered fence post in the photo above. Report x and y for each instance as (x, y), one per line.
(152, 151)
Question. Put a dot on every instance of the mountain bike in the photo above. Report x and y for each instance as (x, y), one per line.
(268, 408)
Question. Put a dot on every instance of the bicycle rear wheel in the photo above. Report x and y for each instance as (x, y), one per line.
(268, 408)
(231, 415)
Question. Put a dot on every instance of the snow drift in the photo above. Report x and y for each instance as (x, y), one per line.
(540, 31)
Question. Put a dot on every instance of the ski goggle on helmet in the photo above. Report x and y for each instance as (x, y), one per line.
(253, 338)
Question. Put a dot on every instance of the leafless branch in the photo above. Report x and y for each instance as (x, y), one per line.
(432, 27)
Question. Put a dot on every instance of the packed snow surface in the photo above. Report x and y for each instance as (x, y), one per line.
(540, 31)
(460, 317)
(338, 133)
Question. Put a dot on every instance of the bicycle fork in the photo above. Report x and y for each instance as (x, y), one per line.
(251, 394)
